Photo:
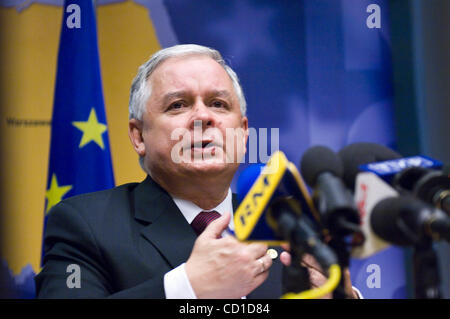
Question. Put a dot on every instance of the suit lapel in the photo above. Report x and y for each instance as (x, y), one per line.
(235, 202)
(166, 228)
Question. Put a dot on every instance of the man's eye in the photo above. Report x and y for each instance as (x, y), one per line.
(218, 104)
(176, 105)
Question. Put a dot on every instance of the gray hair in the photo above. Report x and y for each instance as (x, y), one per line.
(141, 89)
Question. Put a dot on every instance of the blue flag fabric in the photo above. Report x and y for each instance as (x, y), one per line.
(80, 158)
(316, 69)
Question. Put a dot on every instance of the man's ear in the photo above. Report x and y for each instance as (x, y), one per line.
(135, 133)
(245, 127)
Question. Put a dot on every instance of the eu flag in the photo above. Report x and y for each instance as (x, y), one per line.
(80, 159)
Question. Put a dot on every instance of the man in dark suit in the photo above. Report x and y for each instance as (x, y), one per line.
(188, 126)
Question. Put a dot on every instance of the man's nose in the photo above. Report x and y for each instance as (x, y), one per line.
(202, 115)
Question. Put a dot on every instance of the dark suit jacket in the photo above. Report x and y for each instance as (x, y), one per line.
(124, 240)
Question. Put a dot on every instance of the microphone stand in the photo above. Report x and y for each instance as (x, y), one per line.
(295, 277)
(426, 271)
(340, 217)
(342, 229)
(340, 248)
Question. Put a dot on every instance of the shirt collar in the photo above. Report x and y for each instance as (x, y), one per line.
(190, 210)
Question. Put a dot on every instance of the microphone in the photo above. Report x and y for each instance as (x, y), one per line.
(388, 219)
(275, 210)
(405, 221)
(446, 169)
(415, 174)
(247, 178)
(259, 186)
(429, 185)
(388, 169)
(322, 170)
(357, 154)
(369, 191)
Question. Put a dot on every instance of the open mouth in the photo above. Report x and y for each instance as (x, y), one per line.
(205, 150)
(203, 145)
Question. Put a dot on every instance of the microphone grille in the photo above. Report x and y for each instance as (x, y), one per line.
(317, 160)
(357, 154)
(391, 220)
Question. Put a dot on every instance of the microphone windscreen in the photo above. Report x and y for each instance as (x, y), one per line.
(246, 179)
(446, 169)
(387, 220)
(408, 177)
(317, 160)
(357, 154)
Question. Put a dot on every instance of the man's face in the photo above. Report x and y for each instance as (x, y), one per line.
(193, 123)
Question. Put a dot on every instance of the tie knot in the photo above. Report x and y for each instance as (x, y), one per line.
(202, 220)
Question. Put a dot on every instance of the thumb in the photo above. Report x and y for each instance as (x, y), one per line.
(216, 227)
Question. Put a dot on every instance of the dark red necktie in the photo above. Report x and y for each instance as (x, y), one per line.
(203, 219)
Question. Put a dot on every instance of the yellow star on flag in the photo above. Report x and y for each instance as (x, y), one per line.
(92, 130)
(55, 193)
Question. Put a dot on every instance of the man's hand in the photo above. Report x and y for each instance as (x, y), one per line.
(317, 275)
(223, 267)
